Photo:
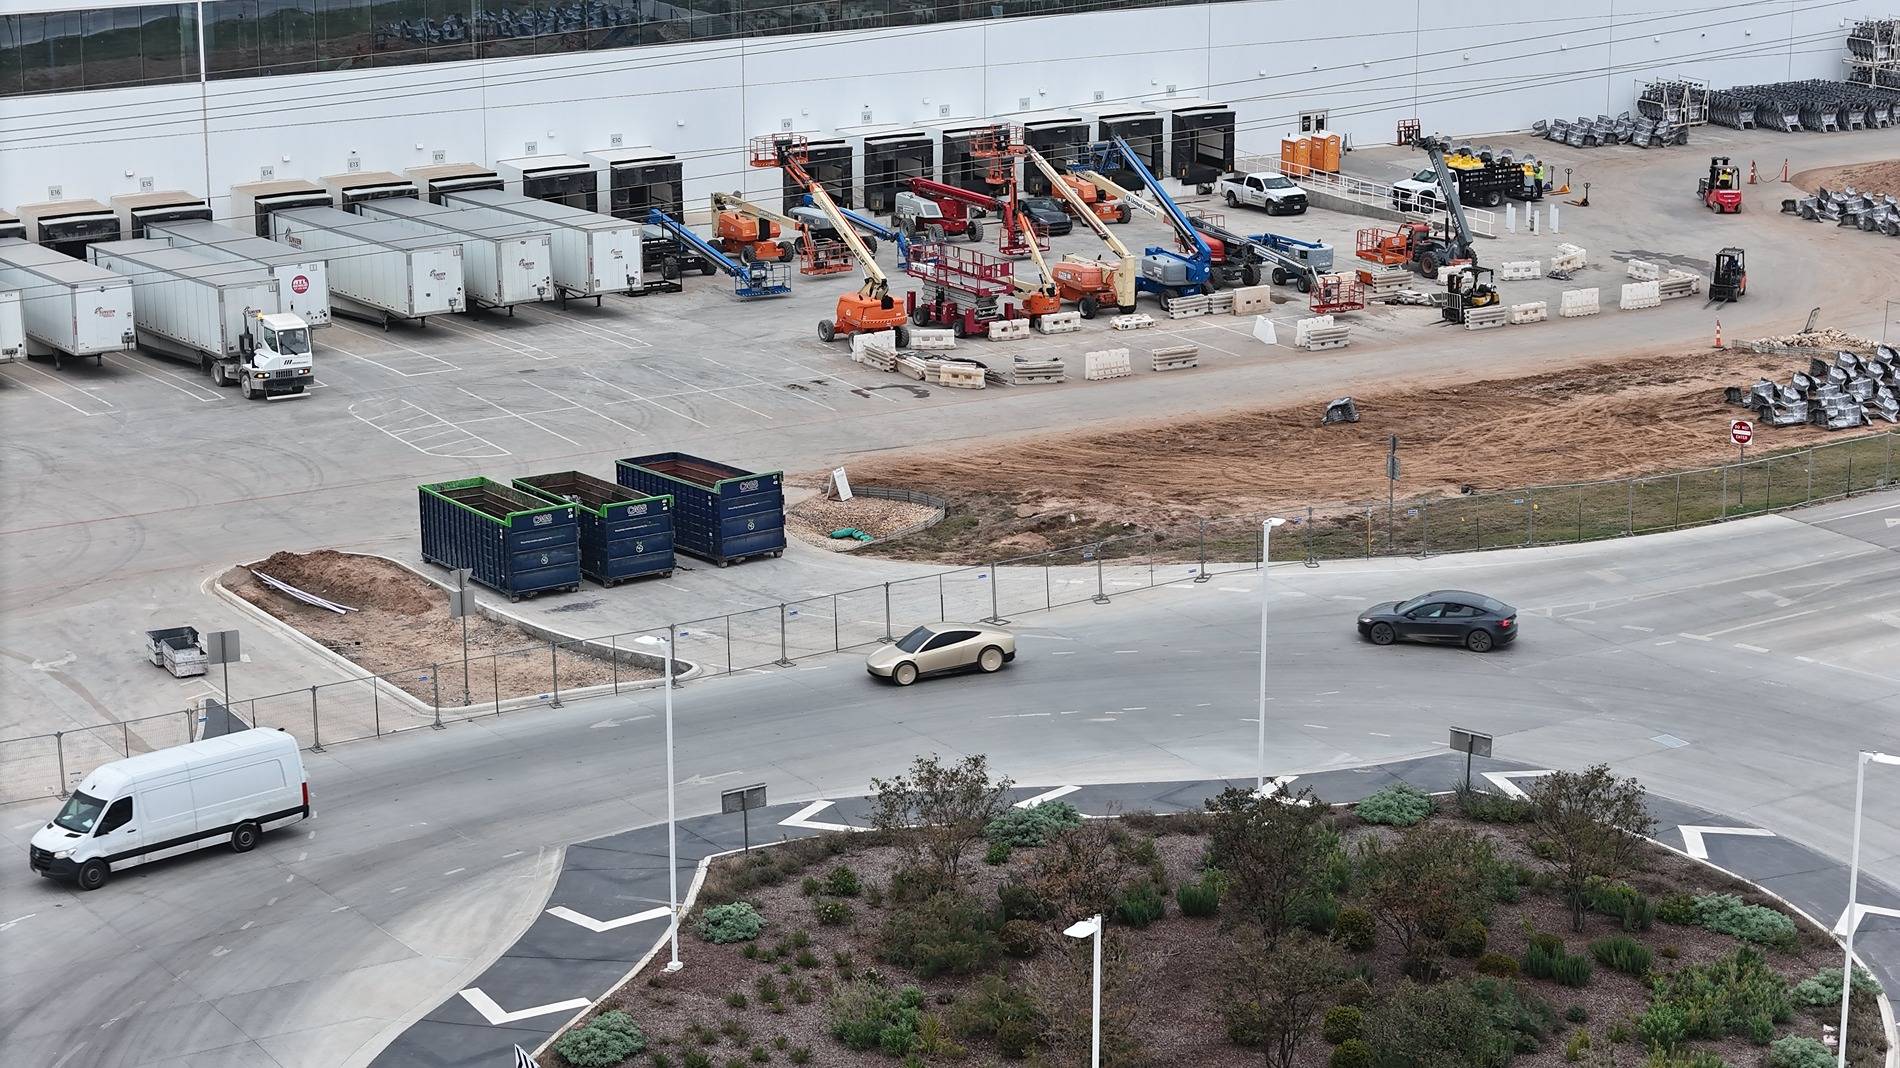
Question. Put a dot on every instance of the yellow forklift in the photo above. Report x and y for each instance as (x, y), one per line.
(1468, 286)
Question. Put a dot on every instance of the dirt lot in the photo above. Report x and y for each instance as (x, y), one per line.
(1879, 176)
(814, 518)
(1635, 415)
(402, 625)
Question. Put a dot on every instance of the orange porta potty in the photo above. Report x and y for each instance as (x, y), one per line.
(1287, 151)
(1303, 156)
(1329, 154)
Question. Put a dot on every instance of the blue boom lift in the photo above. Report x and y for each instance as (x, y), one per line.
(1163, 272)
(748, 279)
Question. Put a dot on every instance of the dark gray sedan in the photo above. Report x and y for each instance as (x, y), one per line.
(1448, 617)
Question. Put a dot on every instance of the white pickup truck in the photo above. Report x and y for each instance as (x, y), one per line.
(1276, 194)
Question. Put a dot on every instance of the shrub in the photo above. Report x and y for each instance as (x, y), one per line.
(1622, 953)
(1577, 1014)
(948, 933)
(1354, 930)
(996, 854)
(1499, 964)
(1340, 1023)
(1578, 1044)
(1620, 901)
(607, 1039)
(1468, 939)
(1018, 900)
(1678, 909)
(1020, 938)
(1317, 913)
(1549, 943)
(1617, 1033)
(1447, 1024)
(1355, 991)
(1823, 988)
(661, 1060)
(695, 1058)
(831, 912)
(1559, 966)
(800, 1055)
(1727, 914)
(1200, 898)
(759, 1055)
(809, 886)
(735, 921)
(841, 881)
(1528, 1018)
(869, 1015)
(1031, 826)
(1736, 995)
(1352, 1053)
(1492, 808)
(736, 1000)
(1140, 904)
(1398, 805)
(806, 959)
(1799, 1051)
(767, 987)
(1694, 1058)
(1001, 1012)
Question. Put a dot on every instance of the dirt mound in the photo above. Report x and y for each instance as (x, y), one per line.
(1879, 176)
(356, 581)
(814, 518)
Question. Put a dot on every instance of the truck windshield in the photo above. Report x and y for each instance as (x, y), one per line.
(81, 812)
(910, 643)
(1279, 181)
(293, 342)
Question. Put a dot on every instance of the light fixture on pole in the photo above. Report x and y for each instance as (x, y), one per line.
(1092, 928)
(672, 838)
(1266, 542)
(1861, 760)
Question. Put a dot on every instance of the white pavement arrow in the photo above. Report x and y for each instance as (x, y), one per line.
(1502, 780)
(1862, 910)
(1281, 786)
(1692, 837)
(603, 926)
(803, 818)
(1046, 795)
(497, 1016)
(1892, 523)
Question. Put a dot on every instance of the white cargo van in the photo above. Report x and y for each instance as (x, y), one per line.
(155, 805)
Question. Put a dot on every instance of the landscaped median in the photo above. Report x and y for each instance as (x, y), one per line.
(1474, 931)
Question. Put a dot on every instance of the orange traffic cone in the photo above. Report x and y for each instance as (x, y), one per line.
(1751, 172)
(1718, 333)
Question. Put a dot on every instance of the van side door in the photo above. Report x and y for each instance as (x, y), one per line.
(170, 819)
(118, 838)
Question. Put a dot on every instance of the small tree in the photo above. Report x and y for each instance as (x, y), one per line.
(1443, 1026)
(1061, 984)
(1080, 871)
(941, 810)
(1593, 824)
(1272, 851)
(1271, 993)
(1425, 883)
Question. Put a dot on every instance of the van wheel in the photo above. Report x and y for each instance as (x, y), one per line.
(244, 837)
(93, 874)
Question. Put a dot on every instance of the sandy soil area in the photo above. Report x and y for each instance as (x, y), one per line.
(1627, 416)
(814, 518)
(1878, 176)
(402, 626)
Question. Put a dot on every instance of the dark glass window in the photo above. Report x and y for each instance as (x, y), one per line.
(287, 36)
(508, 27)
(450, 29)
(399, 31)
(231, 38)
(111, 47)
(50, 47)
(10, 57)
(168, 40)
(343, 34)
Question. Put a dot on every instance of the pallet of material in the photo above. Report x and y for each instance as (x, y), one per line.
(1134, 321)
(1174, 357)
(1105, 364)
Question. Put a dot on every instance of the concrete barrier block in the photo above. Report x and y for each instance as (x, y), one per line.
(1133, 321)
(1519, 270)
(1641, 295)
(1578, 302)
(1568, 258)
(1252, 300)
(958, 375)
(1489, 318)
(1264, 332)
(1677, 284)
(877, 358)
(1174, 357)
(932, 340)
(1644, 271)
(1533, 312)
(1009, 330)
(1187, 307)
(1105, 364)
(1066, 322)
(885, 339)
(913, 367)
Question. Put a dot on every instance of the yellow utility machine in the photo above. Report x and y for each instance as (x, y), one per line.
(1090, 284)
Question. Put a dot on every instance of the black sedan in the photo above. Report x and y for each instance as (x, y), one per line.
(1449, 617)
(1047, 215)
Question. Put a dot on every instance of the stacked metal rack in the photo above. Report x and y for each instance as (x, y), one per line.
(1814, 104)
(1849, 392)
(1870, 212)
(1873, 53)
(1642, 131)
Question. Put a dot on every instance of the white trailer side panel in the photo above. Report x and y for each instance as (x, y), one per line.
(12, 329)
(593, 253)
(375, 266)
(68, 305)
(504, 263)
(183, 305)
(303, 281)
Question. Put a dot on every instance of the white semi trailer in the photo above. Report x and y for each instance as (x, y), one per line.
(593, 253)
(70, 307)
(379, 271)
(303, 285)
(505, 262)
(12, 329)
(220, 316)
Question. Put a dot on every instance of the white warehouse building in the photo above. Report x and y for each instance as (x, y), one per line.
(102, 99)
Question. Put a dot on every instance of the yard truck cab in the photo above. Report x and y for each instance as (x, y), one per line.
(274, 358)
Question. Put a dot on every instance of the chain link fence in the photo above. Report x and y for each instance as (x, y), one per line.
(552, 672)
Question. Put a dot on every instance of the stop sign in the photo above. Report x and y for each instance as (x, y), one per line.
(1741, 431)
(300, 284)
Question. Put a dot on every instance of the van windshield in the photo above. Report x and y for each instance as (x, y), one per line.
(80, 813)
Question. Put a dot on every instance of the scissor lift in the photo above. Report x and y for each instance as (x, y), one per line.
(963, 287)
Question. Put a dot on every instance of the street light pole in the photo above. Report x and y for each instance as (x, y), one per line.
(672, 837)
(1266, 558)
(1092, 928)
(1861, 760)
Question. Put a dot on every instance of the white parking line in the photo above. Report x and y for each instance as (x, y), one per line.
(519, 416)
(109, 407)
(638, 397)
(444, 364)
(585, 408)
(201, 394)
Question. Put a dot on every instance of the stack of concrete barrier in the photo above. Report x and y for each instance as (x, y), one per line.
(1060, 323)
(1487, 318)
(1252, 300)
(1023, 371)
(917, 367)
(1534, 312)
(1009, 330)
(1578, 302)
(1174, 357)
(1132, 321)
(1106, 363)
(1320, 332)
(1384, 281)
(1679, 284)
(1641, 295)
(958, 374)
(932, 340)
(1568, 258)
(1519, 270)
(1187, 307)
(1644, 271)
(876, 357)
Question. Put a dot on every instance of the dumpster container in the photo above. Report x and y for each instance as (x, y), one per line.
(720, 513)
(510, 542)
(625, 534)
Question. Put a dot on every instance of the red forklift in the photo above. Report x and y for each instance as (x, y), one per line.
(1721, 191)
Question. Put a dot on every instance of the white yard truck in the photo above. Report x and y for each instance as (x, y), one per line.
(1276, 194)
(221, 316)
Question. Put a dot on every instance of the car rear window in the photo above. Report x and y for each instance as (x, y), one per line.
(1493, 606)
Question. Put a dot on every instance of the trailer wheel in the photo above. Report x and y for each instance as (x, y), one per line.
(902, 337)
(826, 331)
(1088, 306)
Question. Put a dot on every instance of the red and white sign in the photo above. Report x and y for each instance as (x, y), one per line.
(1741, 431)
(300, 284)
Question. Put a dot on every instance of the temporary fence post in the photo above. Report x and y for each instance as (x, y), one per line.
(59, 745)
(613, 643)
(435, 680)
(1850, 477)
(1368, 534)
(1769, 501)
(494, 676)
(888, 636)
(942, 611)
(783, 660)
(316, 730)
(1101, 594)
(1425, 532)
(125, 736)
(1202, 575)
(1886, 470)
(1310, 558)
(376, 703)
(1629, 515)
(996, 616)
(1723, 514)
(1850, 474)
(1530, 519)
(1478, 522)
(554, 672)
(1677, 521)
(1048, 595)
(728, 643)
(834, 623)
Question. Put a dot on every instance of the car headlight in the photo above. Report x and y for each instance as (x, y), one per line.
(1363, 619)
(62, 854)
